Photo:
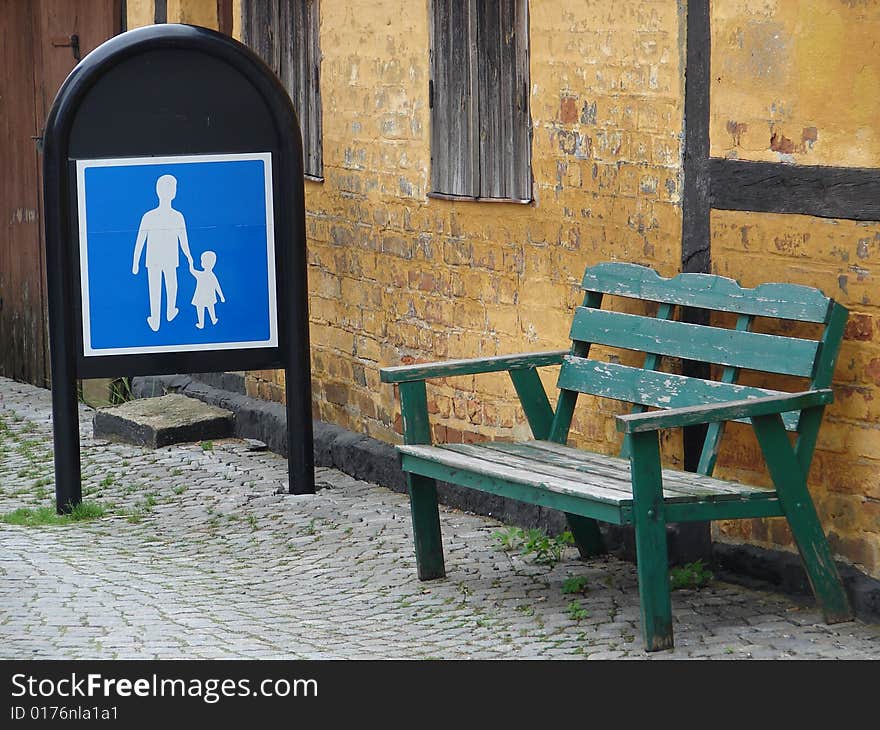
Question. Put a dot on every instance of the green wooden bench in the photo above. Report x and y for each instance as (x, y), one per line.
(635, 489)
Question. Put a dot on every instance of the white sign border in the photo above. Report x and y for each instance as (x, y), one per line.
(83, 165)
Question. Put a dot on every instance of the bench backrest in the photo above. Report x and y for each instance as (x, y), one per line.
(662, 336)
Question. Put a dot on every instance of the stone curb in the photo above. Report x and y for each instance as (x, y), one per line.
(374, 461)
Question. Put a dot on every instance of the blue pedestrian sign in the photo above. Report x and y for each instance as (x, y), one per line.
(176, 254)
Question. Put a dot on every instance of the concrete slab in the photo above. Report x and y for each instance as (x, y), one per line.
(155, 422)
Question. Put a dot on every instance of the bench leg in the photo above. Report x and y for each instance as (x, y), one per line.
(791, 486)
(426, 527)
(586, 535)
(652, 561)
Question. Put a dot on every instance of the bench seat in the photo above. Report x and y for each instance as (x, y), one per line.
(580, 482)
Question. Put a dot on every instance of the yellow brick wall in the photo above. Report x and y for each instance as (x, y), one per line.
(194, 12)
(801, 69)
(139, 13)
(796, 80)
(839, 257)
(396, 277)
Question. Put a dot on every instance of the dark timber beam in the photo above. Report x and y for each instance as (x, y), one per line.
(771, 187)
(695, 188)
(695, 202)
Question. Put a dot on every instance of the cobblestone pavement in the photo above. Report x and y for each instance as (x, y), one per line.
(198, 557)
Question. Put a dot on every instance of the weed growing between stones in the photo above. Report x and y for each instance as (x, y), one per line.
(576, 612)
(691, 575)
(575, 584)
(534, 543)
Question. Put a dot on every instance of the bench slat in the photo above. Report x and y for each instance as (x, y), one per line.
(750, 350)
(708, 291)
(571, 504)
(453, 460)
(563, 470)
(613, 476)
(656, 389)
(679, 480)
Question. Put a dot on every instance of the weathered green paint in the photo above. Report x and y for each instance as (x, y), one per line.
(830, 345)
(808, 434)
(661, 390)
(652, 362)
(426, 527)
(534, 401)
(414, 412)
(539, 413)
(707, 291)
(568, 398)
(791, 486)
(450, 368)
(714, 431)
(469, 458)
(829, 349)
(652, 562)
(726, 510)
(691, 415)
(422, 491)
(767, 353)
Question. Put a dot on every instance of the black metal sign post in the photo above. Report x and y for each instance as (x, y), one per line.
(168, 121)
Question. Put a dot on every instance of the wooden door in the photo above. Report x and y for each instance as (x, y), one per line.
(42, 41)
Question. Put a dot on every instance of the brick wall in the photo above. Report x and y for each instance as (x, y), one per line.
(789, 80)
(796, 80)
(397, 277)
(838, 257)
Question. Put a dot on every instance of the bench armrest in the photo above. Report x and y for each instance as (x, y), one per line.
(728, 411)
(499, 363)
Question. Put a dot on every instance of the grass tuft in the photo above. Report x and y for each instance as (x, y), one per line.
(38, 516)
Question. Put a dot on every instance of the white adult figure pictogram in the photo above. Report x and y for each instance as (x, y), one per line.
(162, 230)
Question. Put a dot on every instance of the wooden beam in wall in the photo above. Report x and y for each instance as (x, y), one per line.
(851, 193)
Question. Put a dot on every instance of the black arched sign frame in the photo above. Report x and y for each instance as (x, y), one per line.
(169, 91)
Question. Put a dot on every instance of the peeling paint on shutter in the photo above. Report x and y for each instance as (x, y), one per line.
(454, 164)
(503, 107)
(259, 29)
(480, 133)
(300, 68)
(285, 34)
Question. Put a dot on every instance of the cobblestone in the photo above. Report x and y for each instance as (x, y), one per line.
(199, 556)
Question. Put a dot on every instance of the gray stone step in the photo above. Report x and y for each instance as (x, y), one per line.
(168, 419)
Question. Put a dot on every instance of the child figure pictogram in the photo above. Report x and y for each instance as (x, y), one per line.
(207, 289)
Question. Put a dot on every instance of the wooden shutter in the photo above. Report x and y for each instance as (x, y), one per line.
(285, 34)
(502, 42)
(454, 124)
(259, 30)
(300, 69)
